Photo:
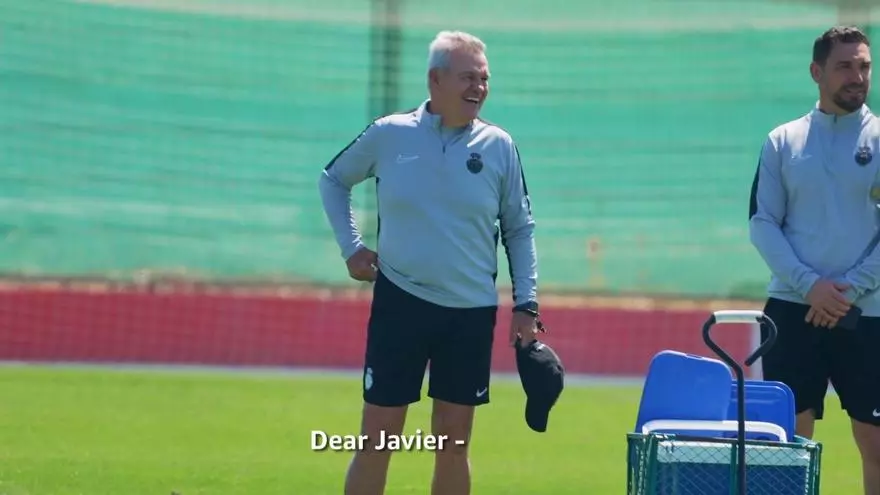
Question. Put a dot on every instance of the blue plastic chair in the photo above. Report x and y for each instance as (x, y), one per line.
(766, 401)
(684, 386)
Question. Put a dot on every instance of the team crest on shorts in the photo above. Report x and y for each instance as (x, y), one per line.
(864, 155)
(368, 379)
(475, 164)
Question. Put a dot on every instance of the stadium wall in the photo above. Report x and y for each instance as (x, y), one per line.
(313, 329)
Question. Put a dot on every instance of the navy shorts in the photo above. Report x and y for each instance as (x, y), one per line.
(406, 335)
(808, 358)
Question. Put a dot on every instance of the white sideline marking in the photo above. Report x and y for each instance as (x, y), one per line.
(268, 371)
(571, 379)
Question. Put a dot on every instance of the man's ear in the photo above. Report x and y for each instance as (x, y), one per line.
(435, 75)
(816, 72)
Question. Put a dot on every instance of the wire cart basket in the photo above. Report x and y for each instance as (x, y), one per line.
(683, 463)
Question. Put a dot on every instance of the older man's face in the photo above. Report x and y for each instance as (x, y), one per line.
(464, 86)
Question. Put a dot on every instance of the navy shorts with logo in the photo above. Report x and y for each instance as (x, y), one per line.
(807, 358)
(405, 334)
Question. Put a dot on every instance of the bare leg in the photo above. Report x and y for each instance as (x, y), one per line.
(368, 470)
(452, 471)
(867, 438)
(805, 424)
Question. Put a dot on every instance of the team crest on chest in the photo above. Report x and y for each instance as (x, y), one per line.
(475, 163)
(863, 155)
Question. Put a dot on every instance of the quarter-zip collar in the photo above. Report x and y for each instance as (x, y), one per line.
(432, 120)
(847, 121)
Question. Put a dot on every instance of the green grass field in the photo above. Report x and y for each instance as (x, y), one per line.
(125, 432)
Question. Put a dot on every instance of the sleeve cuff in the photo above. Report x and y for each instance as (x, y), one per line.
(853, 292)
(351, 249)
(526, 301)
(809, 281)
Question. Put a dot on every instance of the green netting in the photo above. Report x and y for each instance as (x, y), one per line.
(189, 135)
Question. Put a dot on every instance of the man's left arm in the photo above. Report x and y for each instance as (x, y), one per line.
(864, 277)
(517, 231)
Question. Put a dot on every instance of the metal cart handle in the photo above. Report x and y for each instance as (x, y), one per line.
(740, 316)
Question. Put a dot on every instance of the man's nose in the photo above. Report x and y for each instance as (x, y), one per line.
(857, 78)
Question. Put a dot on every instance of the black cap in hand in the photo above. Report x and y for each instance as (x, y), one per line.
(543, 378)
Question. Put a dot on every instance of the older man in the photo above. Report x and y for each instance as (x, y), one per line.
(449, 185)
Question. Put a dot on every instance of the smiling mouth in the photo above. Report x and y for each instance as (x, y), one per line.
(475, 101)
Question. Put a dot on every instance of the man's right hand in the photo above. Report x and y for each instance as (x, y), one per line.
(362, 265)
(828, 304)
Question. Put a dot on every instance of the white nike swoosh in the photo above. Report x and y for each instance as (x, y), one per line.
(406, 158)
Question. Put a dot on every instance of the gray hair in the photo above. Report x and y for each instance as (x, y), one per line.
(446, 42)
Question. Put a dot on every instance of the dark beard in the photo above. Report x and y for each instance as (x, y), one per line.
(848, 104)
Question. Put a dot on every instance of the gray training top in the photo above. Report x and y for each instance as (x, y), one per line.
(444, 198)
(811, 213)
